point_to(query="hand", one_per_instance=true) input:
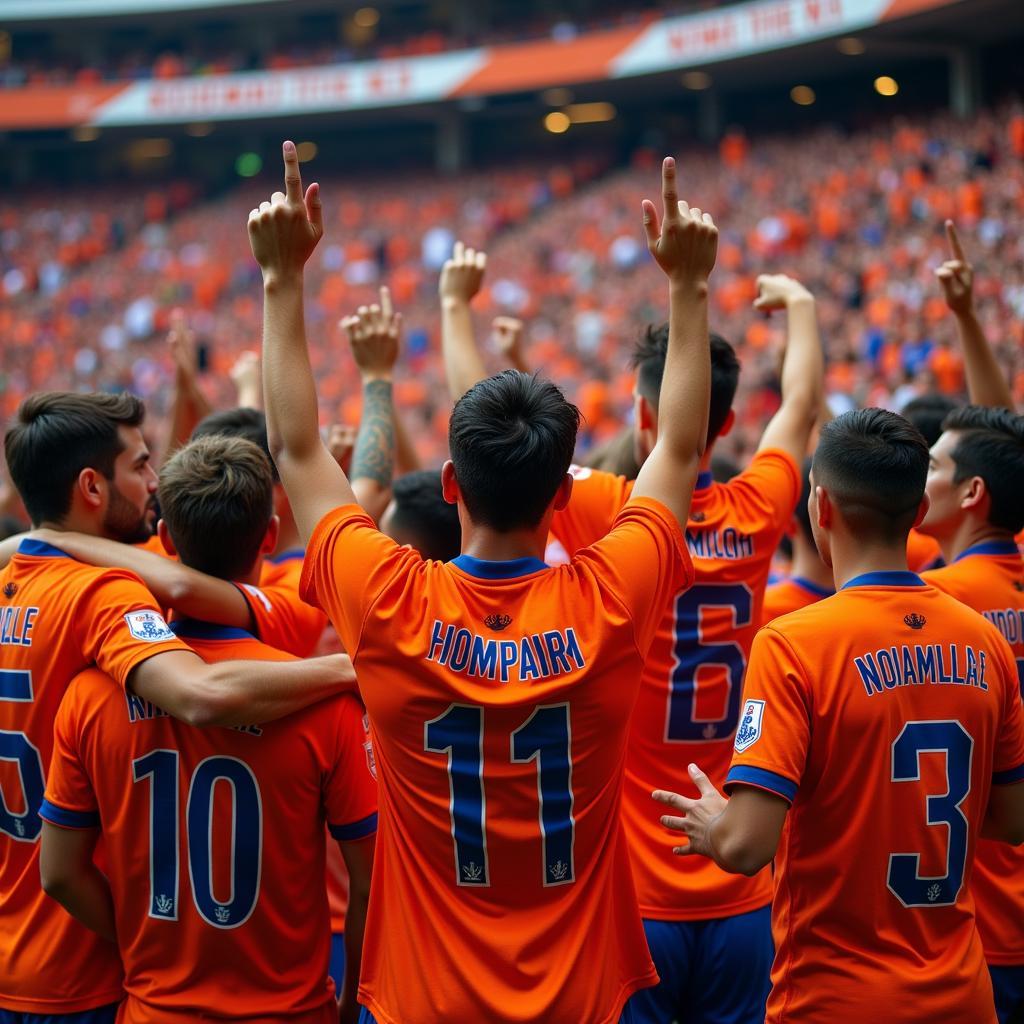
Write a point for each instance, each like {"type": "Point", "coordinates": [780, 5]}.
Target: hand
{"type": "Point", "coordinates": [777, 291]}
{"type": "Point", "coordinates": [341, 440]}
{"type": "Point", "coordinates": [508, 334]}
{"type": "Point", "coordinates": [374, 333]}
{"type": "Point", "coordinates": [181, 341]}
{"type": "Point", "coordinates": [686, 242]}
{"type": "Point", "coordinates": [245, 375]}
{"type": "Point", "coordinates": [284, 231]}
{"type": "Point", "coordinates": [698, 815]}
{"type": "Point", "coordinates": [463, 274]}
{"type": "Point", "coordinates": [956, 276]}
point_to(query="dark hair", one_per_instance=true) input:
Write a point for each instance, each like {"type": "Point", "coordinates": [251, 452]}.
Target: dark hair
{"type": "Point", "coordinates": [421, 512]}
{"type": "Point", "coordinates": [216, 495]}
{"type": "Point", "coordinates": [927, 414]}
{"type": "Point", "coordinates": [873, 464]}
{"type": "Point", "coordinates": [649, 362]}
{"type": "Point", "coordinates": [803, 515]}
{"type": "Point", "coordinates": [250, 424]}
{"type": "Point", "coordinates": [991, 445]}
{"type": "Point", "coordinates": [57, 435]}
{"type": "Point", "coordinates": [511, 439]}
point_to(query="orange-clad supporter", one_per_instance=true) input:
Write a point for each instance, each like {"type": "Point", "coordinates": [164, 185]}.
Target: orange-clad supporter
{"type": "Point", "coordinates": [286, 778]}
{"type": "Point", "coordinates": [888, 714]}
{"type": "Point", "coordinates": [60, 617]}
{"type": "Point", "coordinates": [975, 509]}
{"type": "Point", "coordinates": [490, 770]}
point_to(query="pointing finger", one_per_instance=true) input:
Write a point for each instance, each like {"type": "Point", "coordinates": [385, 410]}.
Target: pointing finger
{"type": "Point", "coordinates": [669, 196]}
{"type": "Point", "coordinates": [386, 307]}
{"type": "Point", "coordinates": [292, 177]}
{"type": "Point", "coordinates": [954, 242]}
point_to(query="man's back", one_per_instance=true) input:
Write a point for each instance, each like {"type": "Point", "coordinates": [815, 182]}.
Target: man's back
{"type": "Point", "coordinates": [499, 696]}
{"type": "Point", "coordinates": [884, 715]}
{"type": "Point", "coordinates": [57, 616]}
{"type": "Point", "coordinates": [215, 841]}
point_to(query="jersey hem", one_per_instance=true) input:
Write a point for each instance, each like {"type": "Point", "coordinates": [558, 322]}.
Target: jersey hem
{"type": "Point", "coordinates": [61, 1006]}
{"type": "Point", "coordinates": [704, 913]}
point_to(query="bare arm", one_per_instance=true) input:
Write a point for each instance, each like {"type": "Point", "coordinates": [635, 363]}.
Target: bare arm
{"type": "Point", "coordinates": [684, 248]}
{"type": "Point", "coordinates": [508, 333]}
{"type": "Point", "coordinates": [461, 278]}
{"type": "Point", "coordinates": [245, 375]}
{"type": "Point", "coordinates": [740, 835]}
{"type": "Point", "coordinates": [986, 382]}
{"type": "Point", "coordinates": [1004, 817]}
{"type": "Point", "coordinates": [283, 233]}
{"type": "Point", "coordinates": [406, 458]}
{"type": "Point", "coordinates": [359, 861]}
{"type": "Point", "coordinates": [188, 405]}
{"type": "Point", "coordinates": [69, 876]}
{"type": "Point", "coordinates": [803, 366]}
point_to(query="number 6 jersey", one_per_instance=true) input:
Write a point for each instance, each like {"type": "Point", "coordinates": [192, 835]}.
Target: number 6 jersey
{"type": "Point", "coordinates": [884, 715]}
{"type": "Point", "coordinates": [499, 696]}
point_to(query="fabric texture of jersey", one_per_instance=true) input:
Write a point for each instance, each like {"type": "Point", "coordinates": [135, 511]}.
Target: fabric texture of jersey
{"type": "Point", "coordinates": [790, 594]}
{"type": "Point", "coordinates": [883, 715]}
{"type": "Point", "coordinates": [215, 841]}
{"type": "Point", "coordinates": [57, 616]}
{"type": "Point", "coordinates": [990, 579]}
{"type": "Point", "coordinates": [499, 696]}
{"type": "Point", "coordinates": [692, 679]}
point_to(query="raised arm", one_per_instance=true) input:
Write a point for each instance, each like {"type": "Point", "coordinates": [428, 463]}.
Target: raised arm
{"type": "Point", "coordinates": [508, 334]}
{"type": "Point", "coordinates": [245, 375]}
{"type": "Point", "coordinates": [374, 334]}
{"type": "Point", "coordinates": [803, 366]}
{"type": "Point", "coordinates": [283, 234]}
{"type": "Point", "coordinates": [188, 404]}
{"type": "Point", "coordinates": [461, 278]}
{"type": "Point", "coordinates": [986, 382]}
{"type": "Point", "coordinates": [684, 246]}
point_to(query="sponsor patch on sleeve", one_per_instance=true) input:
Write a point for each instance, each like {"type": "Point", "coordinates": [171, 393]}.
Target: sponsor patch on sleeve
{"type": "Point", "coordinates": [148, 626]}
{"type": "Point", "coordinates": [749, 731]}
{"type": "Point", "coordinates": [260, 596]}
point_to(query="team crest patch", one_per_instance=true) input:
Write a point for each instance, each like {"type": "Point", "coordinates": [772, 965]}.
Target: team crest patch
{"type": "Point", "coordinates": [148, 626]}
{"type": "Point", "coordinates": [749, 731]}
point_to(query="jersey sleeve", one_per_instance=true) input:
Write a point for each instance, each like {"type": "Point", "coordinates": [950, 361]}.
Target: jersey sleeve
{"type": "Point", "coordinates": [643, 561]}
{"type": "Point", "coordinates": [596, 500]}
{"type": "Point", "coordinates": [119, 626]}
{"type": "Point", "coordinates": [70, 800]}
{"type": "Point", "coordinates": [1008, 764]}
{"type": "Point", "coordinates": [771, 744]}
{"type": "Point", "coordinates": [350, 788]}
{"type": "Point", "coordinates": [348, 563]}
{"type": "Point", "coordinates": [283, 620]}
{"type": "Point", "coordinates": [769, 488]}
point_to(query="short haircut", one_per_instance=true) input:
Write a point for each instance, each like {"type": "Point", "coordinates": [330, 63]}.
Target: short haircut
{"type": "Point", "coordinates": [873, 464]}
{"type": "Point", "coordinates": [649, 362]}
{"type": "Point", "coordinates": [927, 413]}
{"type": "Point", "coordinates": [241, 422]}
{"type": "Point", "coordinates": [422, 513]}
{"type": "Point", "coordinates": [803, 515]}
{"type": "Point", "coordinates": [56, 436]}
{"type": "Point", "coordinates": [511, 439]}
{"type": "Point", "coordinates": [216, 495]}
{"type": "Point", "coordinates": [991, 445]}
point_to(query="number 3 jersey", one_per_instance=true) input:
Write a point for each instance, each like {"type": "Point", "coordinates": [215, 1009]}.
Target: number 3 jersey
{"type": "Point", "coordinates": [215, 841]}
{"type": "Point", "coordinates": [692, 678]}
{"type": "Point", "coordinates": [884, 715]}
{"type": "Point", "coordinates": [499, 696]}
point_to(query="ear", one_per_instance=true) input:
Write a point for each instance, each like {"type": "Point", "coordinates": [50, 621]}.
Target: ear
{"type": "Point", "coordinates": [564, 493]}
{"type": "Point", "coordinates": [730, 420]}
{"type": "Point", "coordinates": [449, 485]}
{"type": "Point", "coordinates": [270, 537]}
{"type": "Point", "coordinates": [922, 509]}
{"type": "Point", "coordinates": [974, 495]}
{"type": "Point", "coordinates": [826, 510]}
{"type": "Point", "coordinates": [92, 488]}
{"type": "Point", "coordinates": [165, 538]}
{"type": "Point", "coordinates": [646, 417]}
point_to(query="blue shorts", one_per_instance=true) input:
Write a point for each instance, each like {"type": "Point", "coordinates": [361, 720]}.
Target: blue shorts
{"type": "Point", "coordinates": [712, 972]}
{"type": "Point", "coordinates": [336, 969]}
{"type": "Point", "coordinates": [1008, 988]}
{"type": "Point", "coordinates": [102, 1015]}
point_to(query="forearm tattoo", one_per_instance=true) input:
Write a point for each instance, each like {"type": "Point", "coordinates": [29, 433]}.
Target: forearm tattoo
{"type": "Point", "coordinates": [374, 455]}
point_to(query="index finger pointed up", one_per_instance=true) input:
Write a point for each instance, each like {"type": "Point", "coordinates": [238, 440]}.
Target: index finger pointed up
{"type": "Point", "coordinates": [955, 248]}
{"type": "Point", "coordinates": [386, 308]}
{"type": "Point", "coordinates": [292, 177]}
{"type": "Point", "coordinates": [669, 195]}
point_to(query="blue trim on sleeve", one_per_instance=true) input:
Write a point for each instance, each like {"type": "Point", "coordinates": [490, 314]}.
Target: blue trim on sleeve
{"type": "Point", "coordinates": [195, 629]}
{"type": "Point", "coordinates": [68, 819]}
{"type": "Point", "coordinates": [509, 570]}
{"type": "Point", "coordinates": [291, 555]}
{"type": "Point", "coordinates": [704, 481]}
{"type": "Point", "coordinates": [40, 549]}
{"type": "Point", "coordinates": [1007, 778]}
{"type": "Point", "coordinates": [990, 547]}
{"type": "Point", "coordinates": [885, 579]}
{"type": "Point", "coordinates": [811, 587]}
{"type": "Point", "coordinates": [762, 779]}
{"type": "Point", "coordinates": [355, 830]}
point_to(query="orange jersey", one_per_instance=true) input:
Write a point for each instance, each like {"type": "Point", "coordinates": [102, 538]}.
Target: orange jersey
{"type": "Point", "coordinates": [883, 715]}
{"type": "Point", "coordinates": [990, 579]}
{"type": "Point", "coordinates": [923, 552]}
{"type": "Point", "coordinates": [692, 679]}
{"type": "Point", "coordinates": [790, 594]}
{"type": "Point", "coordinates": [214, 839]}
{"type": "Point", "coordinates": [499, 696]}
{"type": "Point", "coordinates": [57, 616]}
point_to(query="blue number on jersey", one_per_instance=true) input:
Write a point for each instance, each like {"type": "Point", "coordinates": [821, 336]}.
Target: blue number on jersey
{"type": "Point", "coordinates": [162, 766]}
{"type": "Point", "coordinates": [545, 736]}
{"type": "Point", "coordinates": [949, 738]}
{"type": "Point", "coordinates": [692, 654]}
{"type": "Point", "coordinates": [16, 746]}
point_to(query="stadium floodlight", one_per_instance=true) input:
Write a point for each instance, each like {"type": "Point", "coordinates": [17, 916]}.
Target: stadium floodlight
{"type": "Point", "coordinates": [248, 165]}
{"type": "Point", "coordinates": [366, 17]}
{"type": "Point", "coordinates": [557, 122]}
{"type": "Point", "coordinates": [85, 133]}
{"type": "Point", "coordinates": [557, 97]}
{"type": "Point", "coordinates": [697, 81]}
{"type": "Point", "coordinates": [306, 151]}
{"type": "Point", "coordinates": [851, 46]}
{"type": "Point", "coordinates": [886, 86]}
{"type": "Point", "coordinates": [802, 95]}
{"type": "Point", "coordinates": [590, 113]}
{"type": "Point", "coordinates": [199, 131]}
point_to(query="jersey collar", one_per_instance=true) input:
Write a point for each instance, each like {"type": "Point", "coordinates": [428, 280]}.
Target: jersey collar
{"type": "Point", "coordinates": [40, 549]}
{"type": "Point", "coordinates": [291, 555]}
{"type": "Point", "coordinates": [990, 547]}
{"type": "Point", "coordinates": [196, 629]}
{"type": "Point", "coordinates": [812, 587]}
{"type": "Point", "coordinates": [885, 579]}
{"type": "Point", "coordinates": [704, 480]}
{"type": "Point", "coordinates": [509, 570]}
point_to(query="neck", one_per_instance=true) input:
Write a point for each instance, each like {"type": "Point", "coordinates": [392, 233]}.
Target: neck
{"type": "Point", "coordinates": [491, 546]}
{"type": "Point", "coordinates": [74, 523]}
{"type": "Point", "coordinates": [252, 577]}
{"type": "Point", "coordinates": [807, 564]}
{"type": "Point", "coordinates": [966, 535]}
{"type": "Point", "coordinates": [852, 557]}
